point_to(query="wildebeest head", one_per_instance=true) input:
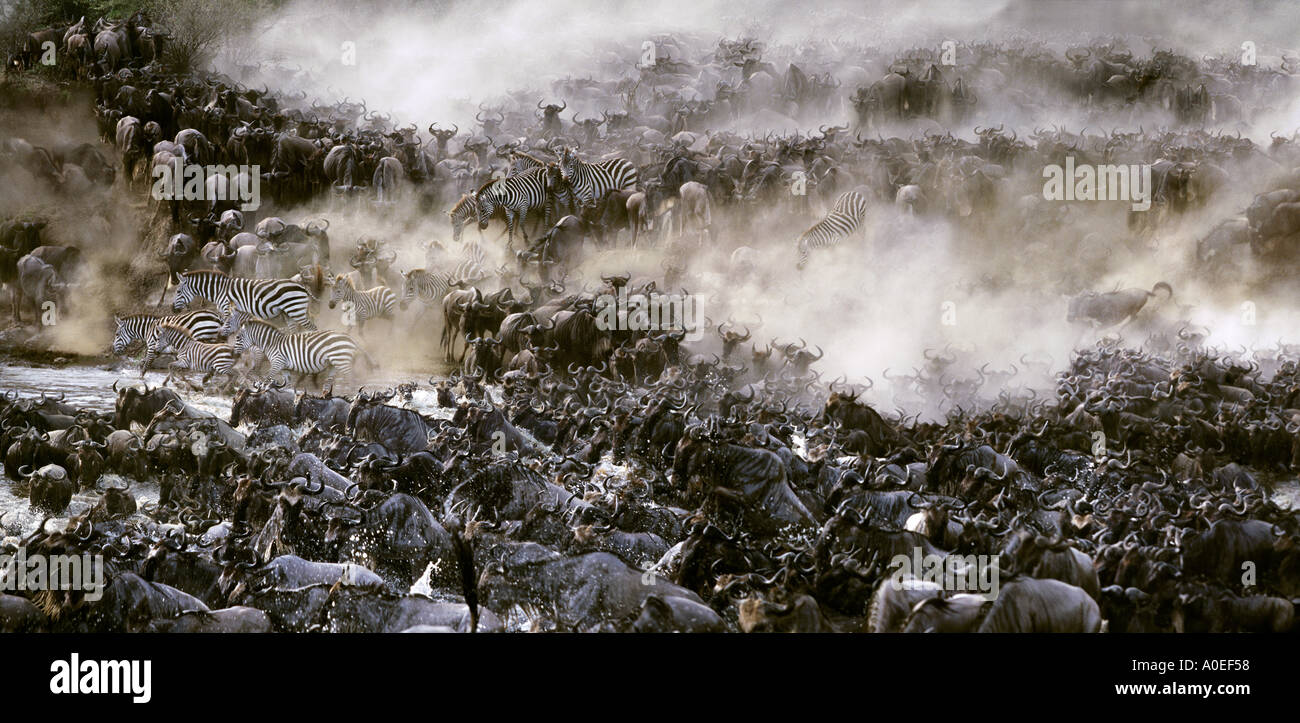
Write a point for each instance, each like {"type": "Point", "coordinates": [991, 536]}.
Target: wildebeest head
{"type": "Point", "coordinates": [136, 405]}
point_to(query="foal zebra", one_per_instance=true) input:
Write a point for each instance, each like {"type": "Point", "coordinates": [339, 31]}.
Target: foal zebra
{"type": "Point", "coordinates": [517, 195]}
{"type": "Point", "coordinates": [311, 352]}
{"type": "Point", "coordinates": [190, 354]}
{"type": "Point", "coordinates": [844, 219]}
{"type": "Point", "coordinates": [266, 298]}
{"type": "Point", "coordinates": [591, 181]}
{"type": "Point", "coordinates": [203, 325]}
{"type": "Point", "coordinates": [366, 305]}
{"type": "Point", "coordinates": [464, 210]}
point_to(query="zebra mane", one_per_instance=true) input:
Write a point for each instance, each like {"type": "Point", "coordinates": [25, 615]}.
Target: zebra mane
{"type": "Point", "coordinates": [465, 199]}
{"type": "Point", "coordinates": [252, 323]}
{"type": "Point", "coordinates": [530, 157]}
{"type": "Point", "coordinates": [484, 187]}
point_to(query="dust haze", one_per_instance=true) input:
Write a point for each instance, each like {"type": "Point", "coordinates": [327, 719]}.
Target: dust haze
{"type": "Point", "coordinates": [914, 284]}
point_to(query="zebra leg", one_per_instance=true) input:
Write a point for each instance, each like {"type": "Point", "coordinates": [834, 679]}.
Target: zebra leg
{"type": "Point", "coordinates": [277, 368]}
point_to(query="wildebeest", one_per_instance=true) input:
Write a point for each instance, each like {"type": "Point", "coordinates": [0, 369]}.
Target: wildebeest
{"type": "Point", "coordinates": [1107, 309]}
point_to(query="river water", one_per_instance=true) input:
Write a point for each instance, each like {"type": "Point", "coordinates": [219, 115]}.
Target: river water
{"type": "Point", "coordinates": [88, 387]}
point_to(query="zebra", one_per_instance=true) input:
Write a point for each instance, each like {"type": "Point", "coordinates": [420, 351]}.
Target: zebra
{"type": "Point", "coordinates": [520, 162]}
{"type": "Point", "coordinates": [310, 352]}
{"type": "Point", "coordinates": [517, 195]}
{"type": "Point", "coordinates": [203, 325]}
{"type": "Point", "coordinates": [591, 181]}
{"type": "Point", "coordinates": [844, 218]}
{"type": "Point", "coordinates": [190, 354]}
{"type": "Point", "coordinates": [266, 298]}
{"type": "Point", "coordinates": [366, 305]}
{"type": "Point", "coordinates": [429, 286]}
{"type": "Point", "coordinates": [464, 210]}
{"type": "Point", "coordinates": [473, 267]}
{"type": "Point", "coordinates": [559, 196]}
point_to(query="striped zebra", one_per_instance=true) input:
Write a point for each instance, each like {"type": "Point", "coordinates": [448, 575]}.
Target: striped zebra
{"type": "Point", "coordinates": [472, 267]}
{"type": "Point", "coordinates": [461, 213]}
{"type": "Point", "coordinates": [429, 286]}
{"type": "Point", "coordinates": [190, 354]}
{"type": "Point", "coordinates": [310, 352]}
{"type": "Point", "coordinates": [203, 325]}
{"type": "Point", "coordinates": [591, 181]}
{"type": "Point", "coordinates": [517, 195]}
{"type": "Point", "coordinates": [266, 298]}
{"type": "Point", "coordinates": [366, 305]}
{"type": "Point", "coordinates": [559, 196]}
{"type": "Point", "coordinates": [520, 161]}
{"type": "Point", "coordinates": [843, 220]}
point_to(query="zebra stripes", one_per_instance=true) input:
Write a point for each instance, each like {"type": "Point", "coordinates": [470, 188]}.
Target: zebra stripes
{"type": "Point", "coordinates": [520, 161]}
{"type": "Point", "coordinates": [310, 352]}
{"type": "Point", "coordinates": [559, 196]}
{"type": "Point", "coordinates": [844, 218]}
{"type": "Point", "coordinates": [517, 195]}
{"type": "Point", "coordinates": [202, 325]}
{"type": "Point", "coordinates": [460, 214]}
{"type": "Point", "coordinates": [366, 305]}
{"type": "Point", "coordinates": [190, 354]}
{"type": "Point", "coordinates": [473, 267]}
{"type": "Point", "coordinates": [265, 298]}
{"type": "Point", "coordinates": [591, 181]}
{"type": "Point", "coordinates": [429, 286]}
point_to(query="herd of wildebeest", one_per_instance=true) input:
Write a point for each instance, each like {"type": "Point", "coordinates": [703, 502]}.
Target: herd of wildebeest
{"type": "Point", "coordinates": [574, 477]}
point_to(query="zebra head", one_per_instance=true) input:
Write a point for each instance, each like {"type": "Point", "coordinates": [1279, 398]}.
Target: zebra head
{"type": "Point", "coordinates": [458, 213]}
{"type": "Point", "coordinates": [457, 225]}
{"type": "Point", "coordinates": [242, 342]}
{"type": "Point", "coordinates": [186, 292]}
{"type": "Point", "coordinates": [339, 291]}
{"type": "Point", "coordinates": [568, 160]}
{"type": "Point", "coordinates": [410, 281]}
{"type": "Point", "coordinates": [486, 200]}
{"type": "Point", "coordinates": [123, 337]}
{"type": "Point", "coordinates": [232, 319]}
